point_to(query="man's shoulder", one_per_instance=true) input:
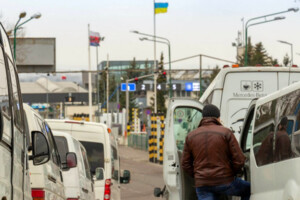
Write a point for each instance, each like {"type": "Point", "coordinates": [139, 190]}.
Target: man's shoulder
{"type": "Point", "coordinates": [212, 129]}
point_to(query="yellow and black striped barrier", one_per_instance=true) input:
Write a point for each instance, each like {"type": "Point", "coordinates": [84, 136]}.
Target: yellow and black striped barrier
{"type": "Point", "coordinates": [151, 146]}
{"type": "Point", "coordinates": [161, 139]}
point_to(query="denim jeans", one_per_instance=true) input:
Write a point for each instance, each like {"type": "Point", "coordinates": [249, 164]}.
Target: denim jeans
{"type": "Point", "coordinates": [238, 187]}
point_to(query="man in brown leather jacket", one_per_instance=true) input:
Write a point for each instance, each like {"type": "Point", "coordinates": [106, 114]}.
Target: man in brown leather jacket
{"type": "Point", "coordinates": [213, 157]}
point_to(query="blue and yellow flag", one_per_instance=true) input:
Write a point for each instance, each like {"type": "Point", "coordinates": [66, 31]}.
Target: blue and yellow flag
{"type": "Point", "coordinates": [161, 7]}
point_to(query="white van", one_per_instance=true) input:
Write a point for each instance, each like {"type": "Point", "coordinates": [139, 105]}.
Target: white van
{"type": "Point", "coordinates": [46, 180]}
{"type": "Point", "coordinates": [232, 91]}
{"type": "Point", "coordinates": [102, 155]}
{"type": "Point", "coordinates": [234, 88]}
{"type": "Point", "coordinates": [273, 167]}
{"type": "Point", "coordinates": [14, 171]}
{"type": "Point", "coordinates": [77, 180]}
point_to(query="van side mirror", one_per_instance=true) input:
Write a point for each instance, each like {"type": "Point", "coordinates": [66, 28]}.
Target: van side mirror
{"type": "Point", "coordinates": [126, 177]}
{"type": "Point", "coordinates": [157, 192]}
{"type": "Point", "coordinates": [1, 124]}
{"type": "Point", "coordinates": [99, 173]}
{"type": "Point", "coordinates": [40, 148]}
{"type": "Point", "coordinates": [71, 160]}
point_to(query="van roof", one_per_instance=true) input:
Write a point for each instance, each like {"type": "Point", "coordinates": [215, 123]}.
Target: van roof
{"type": "Point", "coordinates": [279, 93]}
{"type": "Point", "coordinates": [217, 83]}
{"type": "Point", "coordinates": [60, 133]}
{"type": "Point", "coordinates": [76, 122]}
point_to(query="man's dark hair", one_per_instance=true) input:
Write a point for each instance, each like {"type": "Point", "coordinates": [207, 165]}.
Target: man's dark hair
{"type": "Point", "coordinates": [283, 123]}
{"type": "Point", "coordinates": [211, 110]}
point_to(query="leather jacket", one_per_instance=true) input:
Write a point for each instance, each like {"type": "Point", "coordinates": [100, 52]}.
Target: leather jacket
{"type": "Point", "coordinates": [212, 154]}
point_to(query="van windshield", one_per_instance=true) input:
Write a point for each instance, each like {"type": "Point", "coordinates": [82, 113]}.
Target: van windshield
{"type": "Point", "coordinates": [95, 154]}
{"type": "Point", "coordinates": [62, 146]}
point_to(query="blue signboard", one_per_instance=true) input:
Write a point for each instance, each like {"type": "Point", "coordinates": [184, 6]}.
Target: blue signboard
{"type": "Point", "coordinates": [189, 86]}
{"type": "Point", "coordinates": [131, 87]}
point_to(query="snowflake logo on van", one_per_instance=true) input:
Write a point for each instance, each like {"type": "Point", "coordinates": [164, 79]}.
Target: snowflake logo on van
{"type": "Point", "coordinates": [257, 86]}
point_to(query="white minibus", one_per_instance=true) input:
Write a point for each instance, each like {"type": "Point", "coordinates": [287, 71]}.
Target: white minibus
{"type": "Point", "coordinates": [231, 91]}
{"type": "Point", "coordinates": [46, 180]}
{"type": "Point", "coordinates": [270, 140]}
{"type": "Point", "coordinates": [14, 139]}
{"type": "Point", "coordinates": [102, 155]}
{"type": "Point", "coordinates": [77, 180]}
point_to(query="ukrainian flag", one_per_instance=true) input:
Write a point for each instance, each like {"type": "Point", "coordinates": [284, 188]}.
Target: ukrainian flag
{"type": "Point", "coordinates": [161, 7]}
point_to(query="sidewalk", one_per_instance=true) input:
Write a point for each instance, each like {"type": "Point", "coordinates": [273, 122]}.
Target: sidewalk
{"type": "Point", "coordinates": [145, 176]}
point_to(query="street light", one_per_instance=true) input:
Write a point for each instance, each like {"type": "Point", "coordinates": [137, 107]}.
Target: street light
{"type": "Point", "coordinates": [155, 89]}
{"type": "Point", "coordinates": [261, 17]}
{"type": "Point", "coordinates": [17, 26]}
{"type": "Point", "coordinates": [169, 48]}
{"type": "Point", "coordinates": [246, 33]}
{"type": "Point", "coordinates": [284, 42]}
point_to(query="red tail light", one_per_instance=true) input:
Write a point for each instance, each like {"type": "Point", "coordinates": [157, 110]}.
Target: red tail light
{"type": "Point", "coordinates": [276, 65]}
{"type": "Point", "coordinates": [294, 65]}
{"type": "Point", "coordinates": [226, 66]}
{"type": "Point", "coordinates": [258, 65]}
{"type": "Point", "coordinates": [107, 189]}
{"type": "Point", "coordinates": [38, 194]}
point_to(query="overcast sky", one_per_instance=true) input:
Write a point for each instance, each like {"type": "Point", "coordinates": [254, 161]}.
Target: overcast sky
{"type": "Point", "coordinates": [193, 27]}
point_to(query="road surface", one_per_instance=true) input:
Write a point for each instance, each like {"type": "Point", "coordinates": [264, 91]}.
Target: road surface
{"type": "Point", "coordinates": [145, 176]}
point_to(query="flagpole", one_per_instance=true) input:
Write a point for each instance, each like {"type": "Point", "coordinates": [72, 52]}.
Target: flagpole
{"type": "Point", "coordinates": [154, 65]}
{"type": "Point", "coordinates": [90, 77]}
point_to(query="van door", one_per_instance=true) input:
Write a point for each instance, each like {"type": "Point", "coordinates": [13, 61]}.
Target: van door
{"type": "Point", "coordinates": [261, 152]}
{"type": "Point", "coordinates": [6, 148]}
{"type": "Point", "coordinates": [88, 185]}
{"type": "Point", "coordinates": [55, 173]}
{"type": "Point", "coordinates": [115, 176]}
{"type": "Point", "coordinates": [183, 116]}
{"type": "Point", "coordinates": [246, 138]}
{"type": "Point", "coordinates": [18, 134]}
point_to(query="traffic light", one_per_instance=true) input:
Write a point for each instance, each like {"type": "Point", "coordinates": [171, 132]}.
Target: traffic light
{"type": "Point", "coordinates": [164, 74]}
{"type": "Point", "coordinates": [136, 79]}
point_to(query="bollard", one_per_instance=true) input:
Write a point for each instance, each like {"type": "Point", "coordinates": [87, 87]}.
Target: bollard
{"type": "Point", "coordinates": [151, 139]}
{"type": "Point", "coordinates": [161, 139]}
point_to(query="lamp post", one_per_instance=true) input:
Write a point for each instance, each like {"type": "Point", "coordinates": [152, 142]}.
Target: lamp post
{"type": "Point", "coordinates": [155, 77]}
{"type": "Point", "coordinates": [261, 17]}
{"type": "Point", "coordinates": [169, 48]}
{"type": "Point", "coordinates": [246, 33]}
{"type": "Point", "coordinates": [284, 42]}
{"type": "Point", "coordinates": [17, 26]}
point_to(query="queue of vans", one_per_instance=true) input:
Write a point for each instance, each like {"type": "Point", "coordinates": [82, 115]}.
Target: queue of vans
{"type": "Point", "coordinates": [233, 91]}
{"type": "Point", "coordinates": [77, 161]}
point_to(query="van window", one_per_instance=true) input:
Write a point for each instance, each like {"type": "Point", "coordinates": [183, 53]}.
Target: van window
{"type": "Point", "coordinates": [95, 154]}
{"type": "Point", "coordinates": [185, 120]}
{"type": "Point", "coordinates": [6, 43]}
{"type": "Point", "coordinates": [62, 146]}
{"type": "Point", "coordinates": [277, 123]}
{"type": "Point", "coordinates": [4, 98]}
{"type": "Point", "coordinates": [209, 99]}
{"type": "Point", "coordinates": [53, 148]}
{"type": "Point", "coordinates": [86, 163]}
{"type": "Point", "coordinates": [264, 133]}
{"type": "Point", "coordinates": [16, 98]}
{"type": "Point", "coordinates": [114, 163]}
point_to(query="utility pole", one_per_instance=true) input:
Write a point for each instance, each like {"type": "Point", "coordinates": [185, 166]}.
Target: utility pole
{"type": "Point", "coordinates": [107, 85]}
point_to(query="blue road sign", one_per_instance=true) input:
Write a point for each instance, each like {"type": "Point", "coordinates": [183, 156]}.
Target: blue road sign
{"type": "Point", "coordinates": [189, 86]}
{"type": "Point", "coordinates": [131, 87]}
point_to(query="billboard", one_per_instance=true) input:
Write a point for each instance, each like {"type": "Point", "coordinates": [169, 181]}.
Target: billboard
{"type": "Point", "coordinates": [35, 54]}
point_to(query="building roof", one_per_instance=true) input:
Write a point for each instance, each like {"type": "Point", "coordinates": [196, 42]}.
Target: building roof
{"type": "Point", "coordinates": [44, 85]}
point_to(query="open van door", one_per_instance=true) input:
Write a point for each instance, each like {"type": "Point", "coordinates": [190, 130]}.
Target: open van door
{"type": "Point", "coordinates": [246, 138]}
{"type": "Point", "coordinates": [183, 116]}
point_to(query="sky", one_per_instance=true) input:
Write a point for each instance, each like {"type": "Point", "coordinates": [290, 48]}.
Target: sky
{"type": "Point", "coordinates": [192, 26]}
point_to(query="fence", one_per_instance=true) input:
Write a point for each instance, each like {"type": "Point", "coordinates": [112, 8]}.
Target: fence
{"type": "Point", "coordinates": [138, 141]}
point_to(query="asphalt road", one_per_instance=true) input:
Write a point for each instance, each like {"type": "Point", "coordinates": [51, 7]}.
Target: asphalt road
{"type": "Point", "coordinates": [145, 176]}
